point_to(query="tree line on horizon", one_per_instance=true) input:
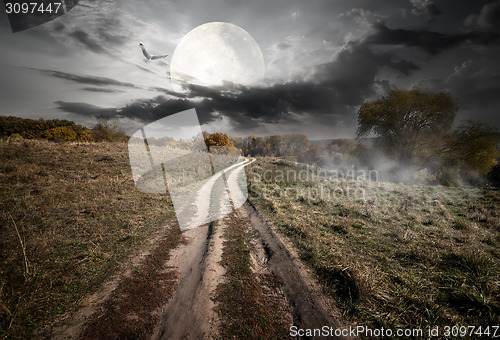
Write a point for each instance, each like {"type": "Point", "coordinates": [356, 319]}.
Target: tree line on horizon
{"type": "Point", "coordinates": [60, 130]}
{"type": "Point", "coordinates": [413, 141]}
{"type": "Point", "coordinates": [412, 136]}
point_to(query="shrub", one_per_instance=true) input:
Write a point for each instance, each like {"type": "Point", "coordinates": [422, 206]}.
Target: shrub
{"type": "Point", "coordinates": [60, 133]}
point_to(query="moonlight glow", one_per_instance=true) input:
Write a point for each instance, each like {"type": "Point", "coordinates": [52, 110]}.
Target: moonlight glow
{"type": "Point", "coordinates": [214, 53]}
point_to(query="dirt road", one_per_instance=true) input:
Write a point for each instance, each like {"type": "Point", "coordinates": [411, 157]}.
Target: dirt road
{"type": "Point", "coordinates": [190, 313]}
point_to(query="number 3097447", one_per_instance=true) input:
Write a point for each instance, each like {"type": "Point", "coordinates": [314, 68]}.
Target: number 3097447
{"type": "Point", "coordinates": [33, 7]}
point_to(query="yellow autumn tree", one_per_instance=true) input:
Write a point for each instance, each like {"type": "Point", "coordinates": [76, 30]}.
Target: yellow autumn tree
{"type": "Point", "coordinates": [60, 133]}
{"type": "Point", "coordinates": [220, 143]}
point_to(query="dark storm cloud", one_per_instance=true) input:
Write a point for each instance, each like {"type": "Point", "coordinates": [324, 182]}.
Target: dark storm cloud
{"type": "Point", "coordinates": [350, 77]}
{"type": "Point", "coordinates": [89, 80]}
{"type": "Point", "coordinates": [113, 31]}
{"type": "Point", "coordinates": [267, 105]}
{"type": "Point", "coordinates": [98, 89]}
{"type": "Point", "coordinates": [247, 107]}
{"type": "Point", "coordinates": [58, 26]}
{"type": "Point", "coordinates": [283, 45]}
{"type": "Point", "coordinates": [167, 91]}
{"type": "Point", "coordinates": [150, 110]}
{"type": "Point", "coordinates": [85, 109]}
{"type": "Point", "coordinates": [426, 8]}
{"type": "Point", "coordinates": [84, 39]}
{"type": "Point", "coordinates": [324, 57]}
{"type": "Point", "coordinates": [329, 92]}
{"type": "Point", "coordinates": [97, 26]}
{"type": "Point", "coordinates": [487, 20]}
{"type": "Point", "coordinates": [429, 41]}
{"type": "Point", "coordinates": [471, 84]}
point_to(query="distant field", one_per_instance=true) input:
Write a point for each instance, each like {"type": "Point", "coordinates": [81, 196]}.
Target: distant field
{"type": "Point", "coordinates": [397, 256]}
{"type": "Point", "coordinates": [75, 211]}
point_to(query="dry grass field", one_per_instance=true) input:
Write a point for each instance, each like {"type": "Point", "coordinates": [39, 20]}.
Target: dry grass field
{"type": "Point", "coordinates": [69, 217]}
{"type": "Point", "coordinates": [398, 256]}
{"type": "Point", "coordinates": [388, 255]}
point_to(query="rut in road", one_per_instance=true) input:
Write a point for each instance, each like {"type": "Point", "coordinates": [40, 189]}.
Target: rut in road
{"type": "Point", "coordinates": [309, 309]}
{"type": "Point", "coordinates": [190, 313]}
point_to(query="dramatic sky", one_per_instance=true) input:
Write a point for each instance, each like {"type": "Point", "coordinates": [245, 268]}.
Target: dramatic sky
{"type": "Point", "coordinates": [323, 59]}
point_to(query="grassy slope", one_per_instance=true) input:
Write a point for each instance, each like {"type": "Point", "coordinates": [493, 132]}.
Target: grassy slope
{"type": "Point", "coordinates": [406, 256]}
{"type": "Point", "coordinates": [78, 215]}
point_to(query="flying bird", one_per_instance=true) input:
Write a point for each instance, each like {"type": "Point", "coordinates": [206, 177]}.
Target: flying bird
{"type": "Point", "coordinates": [149, 56]}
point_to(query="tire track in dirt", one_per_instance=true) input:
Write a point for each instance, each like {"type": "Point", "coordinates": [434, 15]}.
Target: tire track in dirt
{"type": "Point", "coordinates": [309, 309]}
{"type": "Point", "coordinates": [201, 209]}
{"type": "Point", "coordinates": [190, 312]}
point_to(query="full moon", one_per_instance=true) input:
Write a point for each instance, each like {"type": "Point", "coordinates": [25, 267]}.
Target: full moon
{"type": "Point", "coordinates": [214, 53]}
